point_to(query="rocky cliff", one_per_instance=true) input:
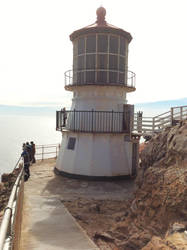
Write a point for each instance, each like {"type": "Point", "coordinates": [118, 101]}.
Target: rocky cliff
{"type": "Point", "coordinates": [158, 214]}
{"type": "Point", "coordinates": [6, 185]}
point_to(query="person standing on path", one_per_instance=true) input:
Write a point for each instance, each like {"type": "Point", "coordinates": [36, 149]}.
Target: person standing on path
{"type": "Point", "coordinates": [26, 161]}
{"type": "Point", "coordinates": [29, 150]}
{"type": "Point", "coordinates": [33, 151]}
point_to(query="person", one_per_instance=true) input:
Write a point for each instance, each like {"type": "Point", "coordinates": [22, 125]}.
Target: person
{"type": "Point", "coordinates": [64, 113]}
{"type": "Point", "coordinates": [29, 150]}
{"type": "Point", "coordinates": [33, 151]}
{"type": "Point", "coordinates": [26, 162]}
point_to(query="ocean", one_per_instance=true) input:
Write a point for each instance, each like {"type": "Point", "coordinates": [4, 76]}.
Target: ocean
{"type": "Point", "coordinates": [17, 129]}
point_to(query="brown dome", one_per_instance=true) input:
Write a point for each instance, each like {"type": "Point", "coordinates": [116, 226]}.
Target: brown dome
{"type": "Point", "coordinates": [100, 26]}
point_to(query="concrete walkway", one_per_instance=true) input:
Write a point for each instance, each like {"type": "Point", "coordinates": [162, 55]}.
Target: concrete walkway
{"type": "Point", "coordinates": [46, 223]}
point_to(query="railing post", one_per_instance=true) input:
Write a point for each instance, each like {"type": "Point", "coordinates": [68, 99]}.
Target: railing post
{"type": "Point", "coordinates": [74, 119]}
{"type": "Point", "coordinates": [112, 121]}
{"type": "Point", "coordinates": [181, 113]}
{"type": "Point", "coordinates": [153, 125]}
{"type": "Point", "coordinates": [171, 116]}
{"type": "Point", "coordinates": [60, 118]}
{"type": "Point", "coordinates": [139, 121]}
{"type": "Point", "coordinates": [56, 120]}
{"type": "Point", "coordinates": [42, 152]}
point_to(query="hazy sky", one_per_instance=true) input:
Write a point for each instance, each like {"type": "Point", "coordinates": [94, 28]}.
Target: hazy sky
{"type": "Point", "coordinates": [35, 49]}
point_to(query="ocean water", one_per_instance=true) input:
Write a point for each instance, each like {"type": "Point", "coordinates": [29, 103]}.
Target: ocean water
{"type": "Point", "coordinates": [16, 129]}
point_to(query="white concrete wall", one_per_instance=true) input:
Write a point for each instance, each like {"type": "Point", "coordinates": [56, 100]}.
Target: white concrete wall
{"type": "Point", "coordinates": [101, 98]}
{"type": "Point", "coordinates": [95, 155]}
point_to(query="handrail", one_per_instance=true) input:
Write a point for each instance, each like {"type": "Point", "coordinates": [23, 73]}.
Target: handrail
{"type": "Point", "coordinates": [45, 152]}
{"type": "Point", "coordinates": [159, 122]}
{"type": "Point", "coordinates": [7, 225]}
{"type": "Point", "coordinates": [6, 229]}
{"type": "Point", "coordinates": [17, 163]}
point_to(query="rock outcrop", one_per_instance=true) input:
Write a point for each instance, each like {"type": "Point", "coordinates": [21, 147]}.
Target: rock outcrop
{"type": "Point", "coordinates": [161, 194]}
{"type": "Point", "coordinates": [7, 182]}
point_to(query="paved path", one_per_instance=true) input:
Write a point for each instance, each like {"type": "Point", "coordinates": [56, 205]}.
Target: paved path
{"type": "Point", "coordinates": [46, 224]}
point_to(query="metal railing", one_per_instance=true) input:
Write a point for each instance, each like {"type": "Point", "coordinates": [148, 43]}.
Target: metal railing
{"type": "Point", "coordinates": [93, 121]}
{"type": "Point", "coordinates": [11, 222]}
{"type": "Point", "coordinates": [89, 77]}
{"type": "Point", "coordinates": [150, 125]}
{"type": "Point", "coordinates": [49, 150]}
{"type": "Point", "coordinates": [10, 226]}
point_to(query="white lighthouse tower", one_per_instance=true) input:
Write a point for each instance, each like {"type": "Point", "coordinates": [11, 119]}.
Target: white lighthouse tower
{"type": "Point", "coordinates": [97, 138]}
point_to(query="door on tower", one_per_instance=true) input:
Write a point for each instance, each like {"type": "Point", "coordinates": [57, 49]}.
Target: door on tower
{"type": "Point", "coordinates": [128, 118]}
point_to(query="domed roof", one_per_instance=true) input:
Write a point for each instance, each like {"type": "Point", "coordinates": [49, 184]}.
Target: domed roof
{"type": "Point", "coordinates": [100, 26]}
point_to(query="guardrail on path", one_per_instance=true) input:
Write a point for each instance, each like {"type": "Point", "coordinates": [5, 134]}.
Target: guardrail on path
{"type": "Point", "coordinates": [150, 125]}
{"type": "Point", "coordinates": [11, 223]}
{"type": "Point", "coordinates": [50, 150]}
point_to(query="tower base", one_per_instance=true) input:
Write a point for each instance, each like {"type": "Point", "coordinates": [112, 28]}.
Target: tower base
{"type": "Point", "coordinates": [97, 156]}
{"type": "Point", "coordinates": [93, 178]}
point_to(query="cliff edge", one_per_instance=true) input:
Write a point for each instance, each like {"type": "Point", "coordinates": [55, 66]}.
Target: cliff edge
{"type": "Point", "coordinates": [158, 213]}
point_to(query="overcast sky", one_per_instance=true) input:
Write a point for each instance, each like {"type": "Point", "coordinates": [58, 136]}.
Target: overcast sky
{"type": "Point", "coordinates": [35, 49]}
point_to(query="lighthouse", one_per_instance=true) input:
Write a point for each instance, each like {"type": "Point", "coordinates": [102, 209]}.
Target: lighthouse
{"type": "Point", "coordinates": [97, 132]}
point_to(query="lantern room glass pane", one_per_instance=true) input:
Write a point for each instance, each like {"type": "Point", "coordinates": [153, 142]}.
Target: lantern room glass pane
{"type": "Point", "coordinates": [113, 62]}
{"type": "Point", "coordinates": [75, 63]}
{"type": "Point", "coordinates": [112, 77]}
{"type": "Point", "coordinates": [114, 44]}
{"type": "Point", "coordinates": [122, 46]}
{"type": "Point", "coordinates": [102, 44]}
{"type": "Point", "coordinates": [75, 48]}
{"type": "Point", "coordinates": [90, 61]}
{"type": "Point", "coordinates": [90, 77]}
{"type": "Point", "coordinates": [81, 62]}
{"type": "Point", "coordinates": [91, 44]}
{"type": "Point", "coordinates": [81, 45]}
{"type": "Point", "coordinates": [102, 77]}
{"type": "Point", "coordinates": [122, 63]}
{"type": "Point", "coordinates": [121, 78]}
{"type": "Point", "coordinates": [102, 61]}
{"type": "Point", "coordinates": [80, 77]}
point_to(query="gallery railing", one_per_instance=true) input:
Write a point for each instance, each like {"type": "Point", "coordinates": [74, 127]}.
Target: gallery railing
{"type": "Point", "coordinates": [93, 121]}
{"type": "Point", "coordinates": [99, 77]}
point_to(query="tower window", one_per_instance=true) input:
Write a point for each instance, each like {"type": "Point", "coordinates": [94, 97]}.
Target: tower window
{"type": "Point", "coordinates": [81, 62]}
{"type": "Point", "coordinates": [91, 44]}
{"type": "Point", "coordinates": [112, 77]}
{"type": "Point", "coordinates": [71, 143]}
{"type": "Point", "coordinates": [122, 46]}
{"type": "Point", "coordinates": [102, 43]}
{"type": "Point", "coordinates": [102, 61]}
{"type": "Point", "coordinates": [113, 44]}
{"type": "Point", "coordinates": [102, 76]}
{"type": "Point", "coordinates": [113, 62]}
{"type": "Point", "coordinates": [122, 63]}
{"type": "Point", "coordinates": [81, 45]}
{"type": "Point", "coordinates": [90, 61]}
